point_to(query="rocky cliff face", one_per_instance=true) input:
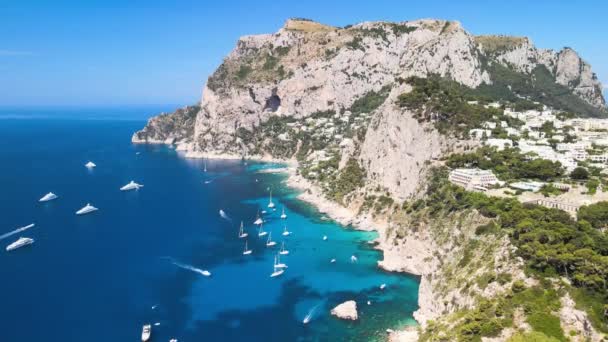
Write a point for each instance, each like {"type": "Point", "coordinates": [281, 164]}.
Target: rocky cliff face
{"type": "Point", "coordinates": [308, 68]}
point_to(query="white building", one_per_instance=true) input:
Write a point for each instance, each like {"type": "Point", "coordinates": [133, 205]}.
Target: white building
{"type": "Point", "coordinates": [499, 143]}
{"type": "Point", "coordinates": [478, 133]}
{"type": "Point", "coordinates": [473, 179]}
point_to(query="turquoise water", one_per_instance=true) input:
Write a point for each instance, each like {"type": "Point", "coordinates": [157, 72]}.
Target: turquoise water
{"type": "Point", "coordinates": [135, 261]}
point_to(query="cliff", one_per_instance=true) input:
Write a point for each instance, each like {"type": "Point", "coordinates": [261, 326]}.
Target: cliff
{"type": "Point", "coordinates": [337, 102]}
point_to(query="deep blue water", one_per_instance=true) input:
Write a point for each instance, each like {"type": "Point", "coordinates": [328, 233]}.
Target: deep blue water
{"type": "Point", "coordinates": [96, 277]}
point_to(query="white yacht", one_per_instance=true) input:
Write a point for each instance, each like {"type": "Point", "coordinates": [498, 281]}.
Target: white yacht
{"type": "Point", "coordinates": [242, 233]}
{"type": "Point", "coordinates": [173, 340]}
{"type": "Point", "coordinates": [270, 243]}
{"type": "Point", "coordinates": [23, 241]}
{"type": "Point", "coordinates": [270, 203]}
{"type": "Point", "coordinates": [353, 258]}
{"type": "Point", "coordinates": [131, 186]}
{"type": "Point", "coordinates": [206, 273]}
{"type": "Point", "coordinates": [283, 215]}
{"type": "Point", "coordinates": [275, 270]}
{"type": "Point", "coordinates": [324, 237]}
{"type": "Point", "coordinates": [283, 251]}
{"type": "Point", "coordinates": [48, 197]}
{"type": "Point", "coordinates": [382, 287]}
{"type": "Point", "coordinates": [146, 331]}
{"type": "Point", "coordinates": [332, 261]}
{"type": "Point", "coordinates": [86, 209]}
{"type": "Point", "coordinates": [90, 165]}
{"type": "Point", "coordinates": [285, 231]}
{"type": "Point", "coordinates": [247, 251]}
{"type": "Point", "coordinates": [262, 232]}
{"type": "Point", "coordinates": [205, 167]}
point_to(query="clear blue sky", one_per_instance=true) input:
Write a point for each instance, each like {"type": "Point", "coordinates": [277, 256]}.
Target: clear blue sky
{"type": "Point", "coordinates": [112, 52]}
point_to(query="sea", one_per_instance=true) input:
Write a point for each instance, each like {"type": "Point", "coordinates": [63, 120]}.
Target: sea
{"type": "Point", "coordinates": [140, 258]}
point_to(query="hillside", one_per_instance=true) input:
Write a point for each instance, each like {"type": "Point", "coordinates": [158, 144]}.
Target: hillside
{"type": "Point", "coordinates": [368, 113]}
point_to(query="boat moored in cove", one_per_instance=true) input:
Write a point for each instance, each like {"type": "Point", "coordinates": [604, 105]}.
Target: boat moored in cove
{"type": "Point", "coordinates": [22, 241]}
{"type": "Point", "coordinates": [86, 209]}
{"type": "Point", "coordinates": [48, 197]}
{"type": "Point", "coordinates": [90, 165]}
{"type": "Point", "coordinates": [131, 186]}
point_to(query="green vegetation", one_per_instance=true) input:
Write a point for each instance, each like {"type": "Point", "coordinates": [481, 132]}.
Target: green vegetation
{"type": "Point", "coordinates": [452, 107]}
{"type": "Point", "coordinates": [243, 72]}
{"type": "Point", "coordinates": [370, 101]}
{"type": "Point", "coordinates": [508, 164]}
{"type": "Point", "coordinates": [549, 240]}
{"type": "Point", "coordinates": [549, 189]}
{"type": "Point", "coordinates": [579, 173]}
{"type": "Point", "coordinates": [540, 86]}
{"type": "Point", "coordinates": [596, 214]}
{"type": "Point", "coordinates": [490, 317]}
{"type": "Point", "coordinates": [349, 179]}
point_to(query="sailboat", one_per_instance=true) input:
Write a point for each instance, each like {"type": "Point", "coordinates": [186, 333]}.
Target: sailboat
{"type": "Point", "coordinates": [262, 232]}
{"type": "Point", "coordinates": [270, 243]}
{"type": "Point", "coordinates": [247, 251]}
{"type": "Point", "coordinates": [242, 233]}
{"type": "Point", "coordinates": [270, 203]}
{"type": "Point", "coordinates": [205, 166]}
{"type": "Point", "coordinates": [258, 219]}
{"type": "Point", "coordinates": [283, 251]}
{"type": "Point", "coordinates": [275, 270]}
{"type": "Point", "coordinates": [279, 263]}
{"type": "Point", "coordinates": [283, 216]}
{"type": "Point", "coordinates": [285, 231]}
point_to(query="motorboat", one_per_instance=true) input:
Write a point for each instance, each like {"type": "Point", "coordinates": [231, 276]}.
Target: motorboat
{"type": "Point", "coordinates": [146, 331]}
{"type": "Point", "coordinates": [90, 165]}
{"type": "Point", "coordinates": [22, 241]}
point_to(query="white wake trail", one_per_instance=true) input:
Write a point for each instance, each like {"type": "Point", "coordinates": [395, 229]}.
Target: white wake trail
{"type": "Point", "coordinates": [18, 230]}
{"type": "Point", "coordinates": [191, 268]}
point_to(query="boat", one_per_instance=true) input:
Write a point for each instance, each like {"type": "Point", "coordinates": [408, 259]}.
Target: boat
{"type": "Point", "coordinates": [283, 251]}
{"type": "Point", "coordinates": [263, 212]}
{"type": "Point", "coordinates": [90, 165]}
{"type": "Point", "coordinates": [156, 324]}
{"type": "Point", "coordinates": [285, 231]}
{"type": "Point", "coordinates": [270, 203]}
{"type": "Point", "coordinates": [131, 186]}
{"type": "Point", "coordinates": [324, 237]}
{"type": "Point", "coordinates": [22, 241]}
{"type": "Point", "coordinates": [310, 314]}
{"type": "Point", "coordinates": [205, 166]}
{"type": "Point", "coordinates": [279, 263]}
{"type": "Point", "coordinates": [146, 331]}
{"type": "Point", "coordinates": [270, 243]}
{"type": "Point", "coordinates": [283, 215]}
{"type": "Point", "coordinates": [382, 286]}
{"type": "Point", "coordinates": [353, 258]}
{"type": "Point", "coordinates": [247, 251]}
{"type": "Point", "coordinates": [48, 197]}
{"type": "Point", "coordinates": [173, 340]}
{"type": "Point", "coordinates": [258, 221]}
{"type": "Point", "coordinates": [242, 233]}
{"type": "Point", "coordinates": [86, 209]}
{"type": "Point", "coordinates": [275, 270]}
{"type": "Point", "coordinates": [262, 232]}
{"type": "Point", "coordinates": [332, 261]}
{"type": "Point", "coordinates": [206, 273]}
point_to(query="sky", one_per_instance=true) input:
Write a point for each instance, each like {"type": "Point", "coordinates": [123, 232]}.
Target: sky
{"type": "Point", "coordinates": [114, 53]}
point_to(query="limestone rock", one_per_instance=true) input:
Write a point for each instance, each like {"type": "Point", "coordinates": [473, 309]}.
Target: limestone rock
{"type": "Point", "coordinates": [346, 310]}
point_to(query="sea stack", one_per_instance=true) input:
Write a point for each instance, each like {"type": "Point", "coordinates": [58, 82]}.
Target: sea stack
{"type": "Point", "coordinates": [346, 310]}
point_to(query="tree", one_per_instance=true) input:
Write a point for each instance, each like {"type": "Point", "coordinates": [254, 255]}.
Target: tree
{"type": "Point", "coordinates": [596, 214]}
{"type": "Point", "coordinates": [579, 173]}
